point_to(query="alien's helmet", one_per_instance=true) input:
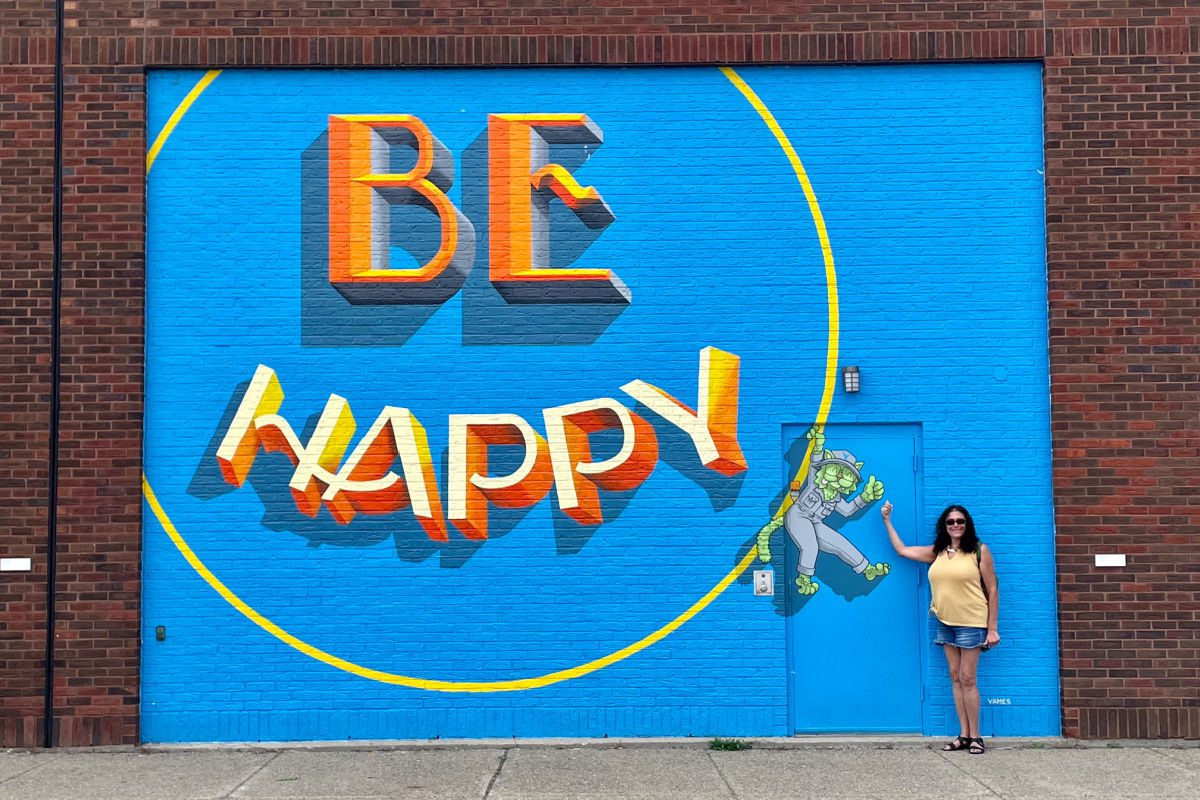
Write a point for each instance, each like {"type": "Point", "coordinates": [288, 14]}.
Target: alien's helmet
{"type": "Point", "coordinates": [843, 458]}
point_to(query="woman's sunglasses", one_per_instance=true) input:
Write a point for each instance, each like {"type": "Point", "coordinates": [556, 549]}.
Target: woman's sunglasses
{"type": "Point", "coordinates": [959, 521]}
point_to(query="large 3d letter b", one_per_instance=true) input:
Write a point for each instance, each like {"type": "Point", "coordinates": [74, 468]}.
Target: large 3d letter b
{"type": "Point", "coordinates": [362, 193]}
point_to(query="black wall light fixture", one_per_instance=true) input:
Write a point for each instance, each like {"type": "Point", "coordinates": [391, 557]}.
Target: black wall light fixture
{"type": "Point", "coordinates": [850, 380]}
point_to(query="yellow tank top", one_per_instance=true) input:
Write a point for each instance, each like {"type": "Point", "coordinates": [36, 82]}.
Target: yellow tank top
{"type": "Point", "coordinates": [958, 597]}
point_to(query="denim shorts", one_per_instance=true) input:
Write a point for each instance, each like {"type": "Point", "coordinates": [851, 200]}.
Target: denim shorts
{"type": "Point", "coordinates": [960, 636]}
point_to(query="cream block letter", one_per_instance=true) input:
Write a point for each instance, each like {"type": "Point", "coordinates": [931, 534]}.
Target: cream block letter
{"type": "Point", "coordinates": [366, 483]}
{"type": "Point", "coordinates": [713, 426]}
{"type": "Point", "coordinates": [576, 476]}
{"type": "Point", "coordinates": [471, 488]}
{"type": "Point", "coordinates": [236, 454]}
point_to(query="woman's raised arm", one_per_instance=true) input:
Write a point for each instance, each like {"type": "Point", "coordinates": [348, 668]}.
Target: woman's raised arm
{"type": "Point", "coordinates": [922, 553]}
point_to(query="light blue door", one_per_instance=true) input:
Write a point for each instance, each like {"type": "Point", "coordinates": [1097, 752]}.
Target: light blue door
{"type": "Point", "coordinates": [854, 645]}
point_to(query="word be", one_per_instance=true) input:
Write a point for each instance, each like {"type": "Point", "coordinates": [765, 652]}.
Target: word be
{"type": "Point", "coordinates": [366, 483]}
{"type": "Point", "coordinates": [521, 180]}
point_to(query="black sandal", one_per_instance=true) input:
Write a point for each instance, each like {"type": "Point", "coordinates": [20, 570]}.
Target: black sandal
{"type": "Point", "coordinates": [961, 743]}
{"type": "Point", "coordinates": [976, 747]}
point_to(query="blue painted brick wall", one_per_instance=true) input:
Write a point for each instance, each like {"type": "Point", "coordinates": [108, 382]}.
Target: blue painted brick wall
{"type": "Point", "coordinates": [929, 180]}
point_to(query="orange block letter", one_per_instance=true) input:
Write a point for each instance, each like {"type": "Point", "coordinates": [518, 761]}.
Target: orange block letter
{"type": "Point", "coordinates": [471, 488]}
{"type": "Point", "coordinates": [362, 190]}
{"type": "Point", "coordinates": [713, 426]}
{"type": "Point", "coordinates": [520, 181]}
{"type": "Point", "coordinates": [366, 483]}
{"type": "Point", "coordinates": [576, 476]}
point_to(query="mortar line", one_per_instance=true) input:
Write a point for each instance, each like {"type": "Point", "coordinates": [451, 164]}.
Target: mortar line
{"type": "Point", "coordinates": [250, 777]}
{"type": "Point", "coordinates": [732, 792]}
{"type": "Point", "coordinates": [51, 760]}
{"type": "Point", "coordinates": [495, 775]}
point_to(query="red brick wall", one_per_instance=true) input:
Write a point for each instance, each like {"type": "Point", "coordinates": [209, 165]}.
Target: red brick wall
{"type": "Point", "coordinates": [1123, 211]}
{"type": "Point", "coordinates": [1124, 214]}
{"type": "Point", "coordinates": [26, 186]}
{"type": "Point", "coordinates": [99, 512]}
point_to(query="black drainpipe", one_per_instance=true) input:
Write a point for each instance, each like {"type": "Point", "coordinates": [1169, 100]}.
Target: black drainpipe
{"type": "Point", "coordinates": [55, 369]}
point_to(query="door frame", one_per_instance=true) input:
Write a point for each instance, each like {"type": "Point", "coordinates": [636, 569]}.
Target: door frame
{"type": "Point", "coordinates": [920, 601]}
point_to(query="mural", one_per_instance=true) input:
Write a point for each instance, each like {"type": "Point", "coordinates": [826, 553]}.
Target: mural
{"type": "Point", "coordinates": [365, 483]}
{"type": "Point", "coordinates": [832, 478]}
{"type": "Point", "coordinates": [468, 392]}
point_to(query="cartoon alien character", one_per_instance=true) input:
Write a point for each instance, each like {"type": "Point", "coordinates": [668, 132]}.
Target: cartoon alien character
{"type": "Point", "coordinates": [833, 476]}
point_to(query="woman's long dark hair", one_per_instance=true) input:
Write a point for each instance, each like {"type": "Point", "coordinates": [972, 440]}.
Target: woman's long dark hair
{"type": "Point", "coordinates": [941, 538]}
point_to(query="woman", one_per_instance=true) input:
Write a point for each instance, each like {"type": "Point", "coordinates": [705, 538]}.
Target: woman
{"type": "Point", "coordinates": [962, 580]}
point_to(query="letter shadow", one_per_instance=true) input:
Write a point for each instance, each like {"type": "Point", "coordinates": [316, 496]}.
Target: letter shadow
{"type": "Point", "coordinates": [207, 481]}
{"type": "Point", "coordinates": [570, 536]}
{"type": "Point", "coordinates": [676, 449]}
{"type": "Point", "coordinates": [540, 317]}
{"type": "Point", "coordinates": [502, 460]}
{"type": "Point", "coordinates": [269, 479]}
{"type": "Point", "coordinates": [327, 319]}
{"type": "Point", "coordinates": [271, 473]}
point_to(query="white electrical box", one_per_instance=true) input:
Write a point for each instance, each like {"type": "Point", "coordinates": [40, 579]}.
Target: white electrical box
{"type": "Point", "coordinates": [764, 582]}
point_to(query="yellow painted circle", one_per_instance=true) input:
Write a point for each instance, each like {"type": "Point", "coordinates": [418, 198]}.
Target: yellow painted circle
{"type": "Point", "coordinates": [520, 684]}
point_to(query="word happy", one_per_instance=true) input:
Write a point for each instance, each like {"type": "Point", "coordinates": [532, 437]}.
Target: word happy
{"type": "Point", "coordinates": [391, 467]}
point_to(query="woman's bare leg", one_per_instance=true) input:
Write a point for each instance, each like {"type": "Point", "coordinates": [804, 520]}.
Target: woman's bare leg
{"type": "Point", "coordinates": [968, 665]}
{"type": "Point", "coordinates": [952, 661]}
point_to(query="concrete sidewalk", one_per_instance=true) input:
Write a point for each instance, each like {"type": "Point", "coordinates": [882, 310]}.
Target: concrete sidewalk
{"type": "Point", "coordinates": [794, 769]}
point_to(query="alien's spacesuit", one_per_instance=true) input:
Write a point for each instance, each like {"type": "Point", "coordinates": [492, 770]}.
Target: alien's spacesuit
{"type": "Point", "coordinates": [805, 520]}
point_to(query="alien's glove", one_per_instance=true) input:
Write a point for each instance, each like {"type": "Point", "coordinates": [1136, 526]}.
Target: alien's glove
{"type": "Point", "coordinates": [872, 491]}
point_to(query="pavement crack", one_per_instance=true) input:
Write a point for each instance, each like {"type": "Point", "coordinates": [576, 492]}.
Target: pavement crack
{"type": "Point", "coordinates": [1161, 753]}
{"type": "Point", "coordinates": [495, 775]}
{"type": "Point", "coordinates": [246, 781]}
{"type": "Point", "coordinates": [958, 766]}
{"type": "Point", "coordinates": [721, 774]}
{"type": "Point", "coordinates": [37, 766]}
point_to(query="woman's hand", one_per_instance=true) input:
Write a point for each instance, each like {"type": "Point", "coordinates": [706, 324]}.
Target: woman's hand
{"type": "Point", "coordinates": [886, 511]}
{"type": "Point", "coordinates": [993, 637]}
